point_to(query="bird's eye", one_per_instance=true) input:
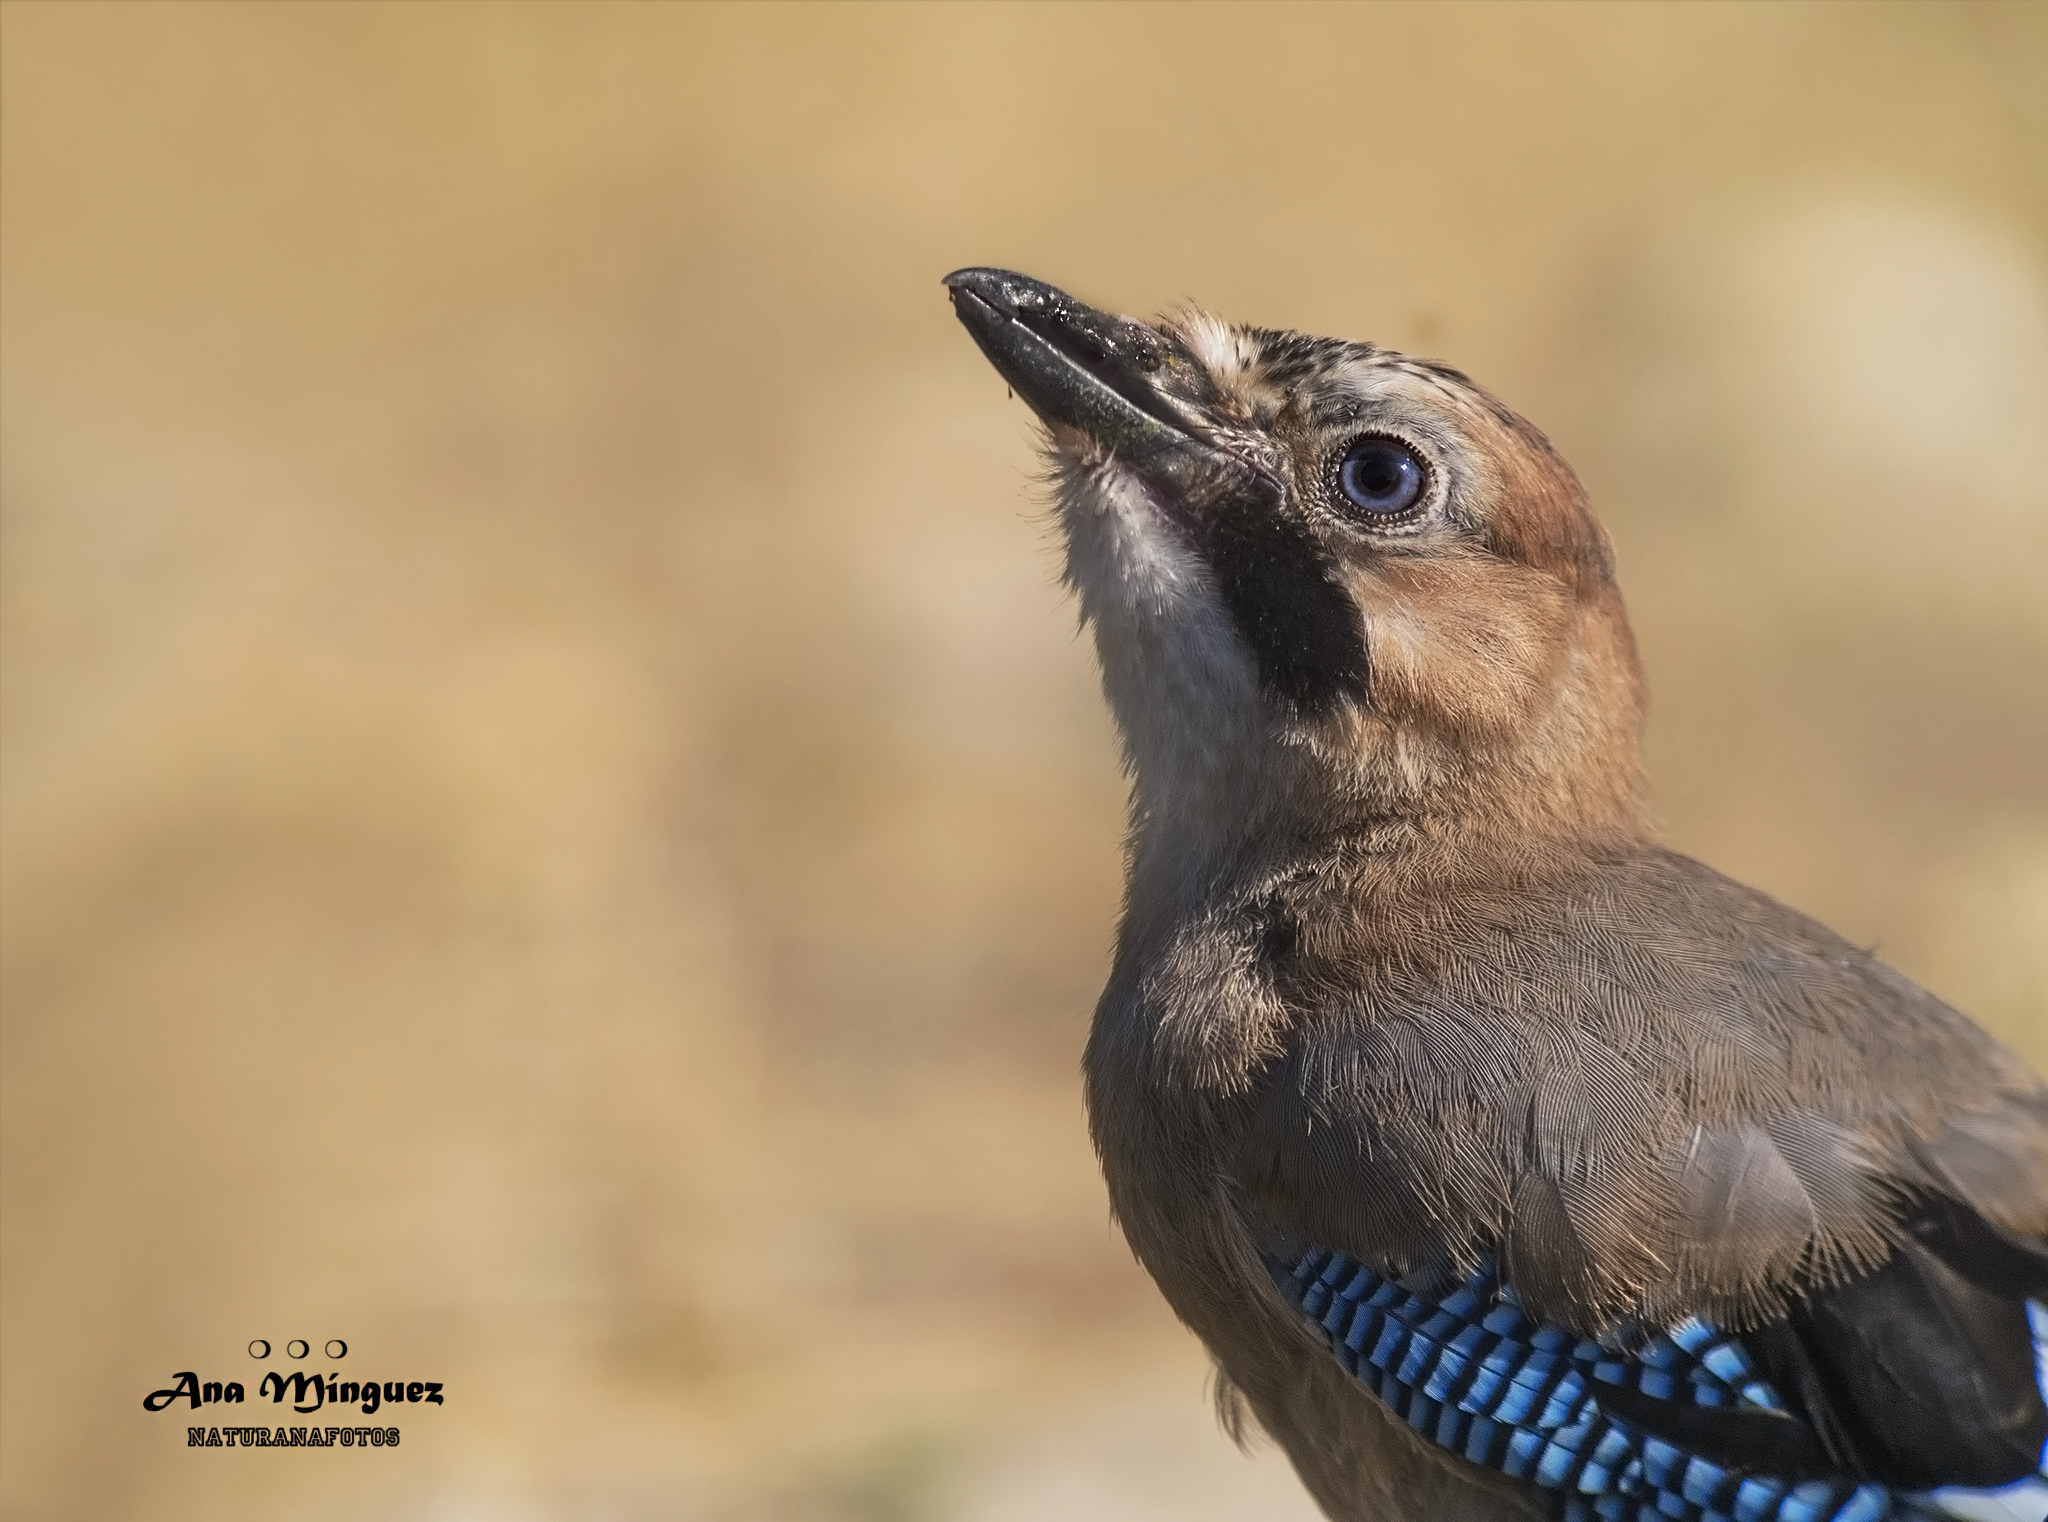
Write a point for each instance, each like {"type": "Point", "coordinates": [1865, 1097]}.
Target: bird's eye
{"type": "Point", "coordinates": [1382, 478]}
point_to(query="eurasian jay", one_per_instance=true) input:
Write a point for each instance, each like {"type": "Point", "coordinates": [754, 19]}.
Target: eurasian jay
{"type": "Point", "coordinates": [1509, 1164]}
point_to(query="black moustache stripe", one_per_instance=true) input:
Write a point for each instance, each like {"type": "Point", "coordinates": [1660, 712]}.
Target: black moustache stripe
{"type": "Point", "coordinates": [1282, 592]}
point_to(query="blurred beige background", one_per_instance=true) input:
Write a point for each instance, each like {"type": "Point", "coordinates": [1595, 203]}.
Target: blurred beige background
{"type": "Point", "coordinates": [555, 824]}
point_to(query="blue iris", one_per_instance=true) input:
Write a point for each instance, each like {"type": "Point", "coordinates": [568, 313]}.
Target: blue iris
{"type": "Point", "coordinates": [1382, 477]}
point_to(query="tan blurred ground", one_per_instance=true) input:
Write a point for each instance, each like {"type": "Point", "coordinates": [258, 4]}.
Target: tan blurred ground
{"type": "Point", "coordinates": [554, 824]}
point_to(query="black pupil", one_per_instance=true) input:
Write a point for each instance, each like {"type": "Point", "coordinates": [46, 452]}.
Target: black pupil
{"type": "Point", "coordinates": [1382, 477]}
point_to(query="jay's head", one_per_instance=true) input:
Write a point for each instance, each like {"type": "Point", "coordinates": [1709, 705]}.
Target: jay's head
{"type": "Point", "coordinates": [1333, 587]}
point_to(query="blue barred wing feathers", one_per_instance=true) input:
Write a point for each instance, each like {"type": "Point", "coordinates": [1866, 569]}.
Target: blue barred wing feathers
{"type": "Point", "coordinates": [1474, 1373]}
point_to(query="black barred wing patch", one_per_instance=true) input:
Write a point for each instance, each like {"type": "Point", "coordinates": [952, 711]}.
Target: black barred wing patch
{"type": "Point", "coordinates": [1472, 1372]}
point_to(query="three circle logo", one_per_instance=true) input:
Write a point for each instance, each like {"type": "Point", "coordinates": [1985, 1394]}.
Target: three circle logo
{"type": "Point", "coordinates": [298, 1348]}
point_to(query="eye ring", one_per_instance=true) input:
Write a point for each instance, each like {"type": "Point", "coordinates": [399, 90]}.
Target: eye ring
{"type": "Point", "coordinates": [1381, 483]}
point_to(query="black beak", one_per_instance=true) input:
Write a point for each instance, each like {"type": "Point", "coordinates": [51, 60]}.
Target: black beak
{"type": "Point", "coordinates": [1077, 366]}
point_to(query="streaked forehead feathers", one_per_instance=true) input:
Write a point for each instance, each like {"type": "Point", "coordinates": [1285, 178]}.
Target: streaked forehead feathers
{"type": "Point", "coordinates": [1223, 351]}
{"type": "Point", "coordinates": [1256, 374]}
